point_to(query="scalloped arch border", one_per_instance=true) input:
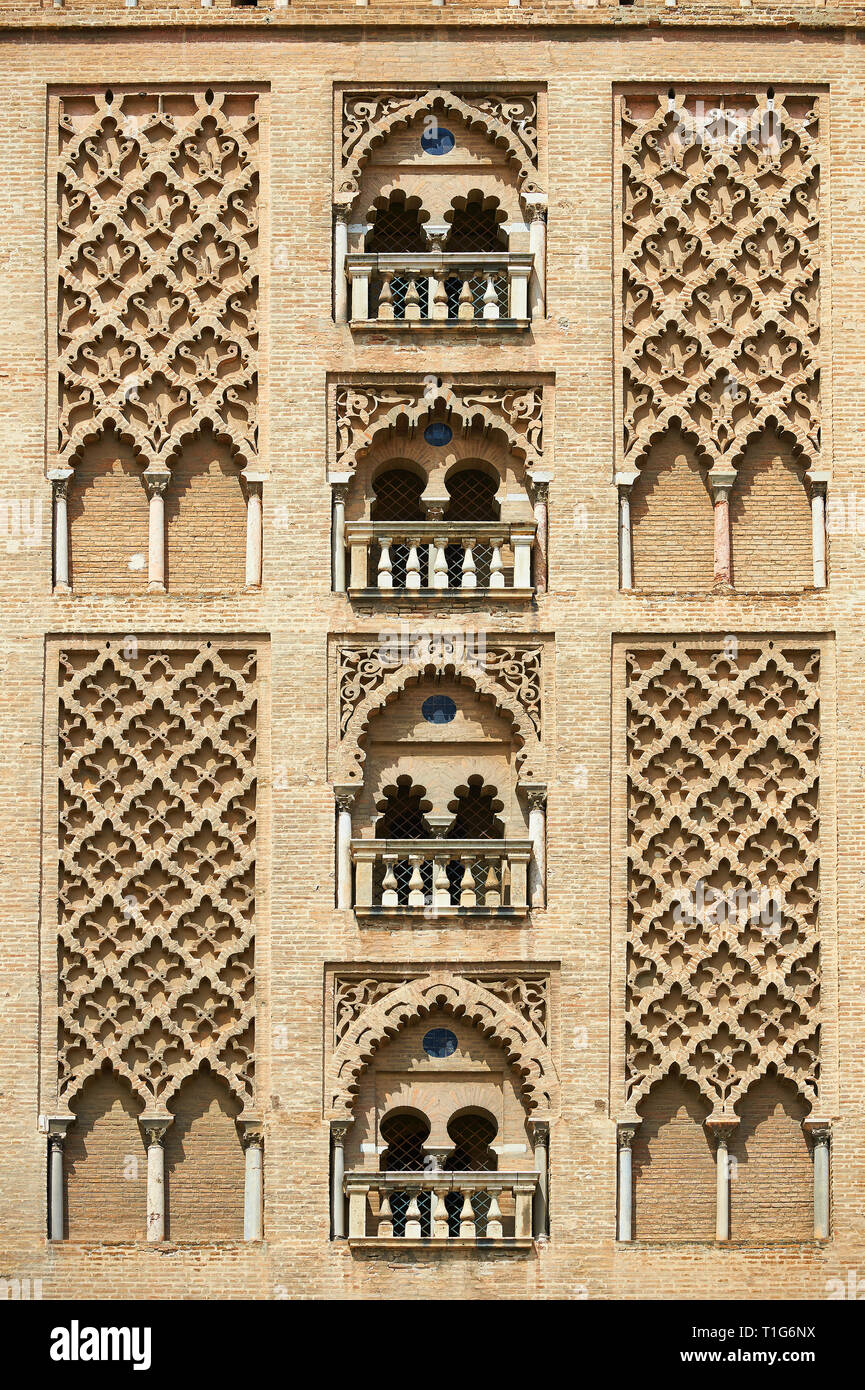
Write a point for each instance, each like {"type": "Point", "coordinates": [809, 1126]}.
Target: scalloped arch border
{"type": "Point", "coordinates": [413, 413]}
{"type": "Point", "coordinates": [498, 131]}
{"type": "Point", "coordinates": [352, 754]}
{"type": "Point", "coordinates": [527, 1053]}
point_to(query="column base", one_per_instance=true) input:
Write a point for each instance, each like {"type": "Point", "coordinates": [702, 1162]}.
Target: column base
{"type": "Point", "coordinates": [155, 587]}
{"type": "Point", "coordinates": [61, 590]}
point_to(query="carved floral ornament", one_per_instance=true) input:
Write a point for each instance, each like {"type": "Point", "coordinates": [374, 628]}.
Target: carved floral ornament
{"type": "Point", "coordinates": [371, 677]}
{"type": "Point", "coordinates": [378, 1013]}
{"type": "Point", "coordinates": [509, 121]}
{"type": "Point", "coordinates": [363, 413]}
{"type": "Point", "coordinates": [157, 271]}
{"type": "Point", "coordinates": [720, 270]}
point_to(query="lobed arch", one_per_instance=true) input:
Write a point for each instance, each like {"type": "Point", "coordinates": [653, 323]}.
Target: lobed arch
{"type": "Point", "coordinates": [529, 759]}
{"type": "Point", "coordinates": [520, 151]}
{"type": "Point", "coordinates": [526, 1051]}
{"type": "Point", "coordinates": [471, 411]}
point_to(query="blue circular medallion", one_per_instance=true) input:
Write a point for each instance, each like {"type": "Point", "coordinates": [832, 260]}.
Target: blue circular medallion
{"type": "Point", "coordinates": [439, 1042]}
{"type": "Point", "coordinates": [438, 709]}
{"type": "Point", "coordinates": [437, 140]}
{"type": "Point", "coordinates": [438, 434]}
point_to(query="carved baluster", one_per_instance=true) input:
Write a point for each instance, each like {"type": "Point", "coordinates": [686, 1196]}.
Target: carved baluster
{"type": "Point", "coordinates": [412, 1219]}
{"type": "Point", "coordinates": [497, 578]}
{"type": "Point", "coordinates": [412, 569]}
{"type": "Point", "coordinates": [439, 307]}
{"type": "Point", "coordinates": [467, 1216]}
{"type": "Point", "coordinates": [468, 896]}
{"type": "Point", "coordinates": [492, 895]}
{"type": "Point", "coordinates": [389, 896]}
{"type": "Point", "coordinates": [385, 299]}
{"type": "Point", "coordinates": [491, 300]}
{"type": "Point", "coordinates": [469, 576]}
{"type": "Point", "coordinates": [494, 1218]}
{"type": "Point", "coordinates": [412, 303]}
{"type": "Point", "coordinates": [466, 306]}
{"type": "Point", "coordinates": [385, 1216]}
{"type": "Point", "coordinates": [440, 1228]}
{"type": "Point", "coordinates": [440, 564]}
{"type": "Point", "coordinates": [441, 886]}
{"type": "Point", "coordinates": [385, 565]}
{"type": "Point", "coordinates": [415, 884]}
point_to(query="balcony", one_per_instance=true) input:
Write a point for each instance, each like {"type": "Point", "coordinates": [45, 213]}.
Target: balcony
{"type": "Point", "coordinates": [440, 289]}
{"type": "Point", "coordinates": [450, 1210]}
{"type": "Point", "coordinates": [465, 560]}
{"type": "Point", "coordinates": [439, 878]}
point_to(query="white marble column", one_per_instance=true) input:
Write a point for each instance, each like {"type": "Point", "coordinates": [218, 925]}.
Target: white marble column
{"type": "Point", "coordinates": [340, 493]}
{"type": "Point", "coordinates": [338, 1136]}
{"type": "Point", "coordinates": [820, 1132]}
{"type": "Point", "coordinates": [538, 247]}
{"type": "Point", "coordinates": [818, 532]}
{"type": "Point", "coordinates": [154, 1129]}
{"type": "Point", "coordinates": [539, 1131]}
{"type": "Point", "coordinates": [536, 796]}
{"type": "Point", "coordinates": [57, 1127]}
{"type": "Point", "coordinates": [624, 483]}
{"type": "Point", "coordinates": [252, 1139]}
{"type": "Point", "coordinates": [340, 250]}
{"type": "Point", "coordinates": [625, 1136]}
{"type": "Point", "coordinates": [254, 483]}
{"type": "Point", "coordinates": [344, 801]}
{"type": "Point", "coordinates": [156, 483]}
{"type": "Point", "coordinates": [59, 479]}
{"type": "Point", "coordinates": [723, 1131]}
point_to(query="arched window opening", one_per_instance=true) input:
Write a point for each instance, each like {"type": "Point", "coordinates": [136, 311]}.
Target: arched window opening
{"type": "Point", "coordinates": [475, 806]}
{"type": "Point", "coordinates": [472, 1135]}
{"type": "Point", "coordinates": [396, 497]}
{"type": "Point", "coordinates": [404, 1136]}
{"type": "Point", "coordinates": [475, 226]}
{"type": "Point", "coordinates": [472, 498]}
{"type": "Point", "coordinates": [398, 230]}
{"type": "Point", "coordinates": [402, 818]}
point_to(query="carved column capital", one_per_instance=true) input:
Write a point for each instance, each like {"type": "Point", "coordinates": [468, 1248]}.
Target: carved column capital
{"type": "Point", "coordinates": [722, 1128]}
{"type": "Point", "coordinates": [345, 797]}
{"type": "Point", "coordinates": [818, 1130]}
{"type": "Point", "coordinates": [59, 480]}
{"type": "Point", "coordinates": [156, 481]}
{"type": "Point", "coordinates": [539, 1133]}
{"type": "Point", "coordinates": [154, 1128]}
{"type": "Point", "coordinates": [339, 1130]}
{"type": "Point", "coordinates": [626, 1133]}
{"type": "Point", "coordinates": [251, 1133]}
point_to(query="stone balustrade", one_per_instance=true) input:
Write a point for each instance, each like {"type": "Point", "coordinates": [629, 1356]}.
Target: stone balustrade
{"type": "Point", "coordinates": [433, 287]}
{"type": "Point", "coordinates": [441, 877]}
{"type": "Point", "coordinates": [441, 1208]}
{"type": "Point", "coordinates": [435, 556]}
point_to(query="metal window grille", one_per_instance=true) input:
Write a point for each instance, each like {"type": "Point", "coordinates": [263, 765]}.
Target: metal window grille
{"type": "Point", "coordinates": [472, 496]}
{"type": "Point", "coordinates": [396, 229]}
{"type": "Point", "coordinates": [475, 228]}
{"type": "Point", "coordinates": [475, 818]}
{"type": "Point", "coordinates": [397, 496]}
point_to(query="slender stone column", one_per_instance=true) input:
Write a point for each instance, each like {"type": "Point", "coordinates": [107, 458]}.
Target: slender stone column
{"type": "Point", "coordinates": [818, 532]}
{"type": "Point", "coordinates": [721, 485]}
{"type": "Point", "coordinates": [536, 795]}
{"type": "Point", "coordinates": [723, 1131]}
{"type": "Point", "coordinates": [820, 1132]}
{"type": "Point", "coordinates": [338, 1136]}
{"type": "Point", "coordinates": [156, 483]}
{"type": "Point", "coordinates": [541, 490]}
{"type": "Point", "coordinates": [57, 1127]}
{"type": "Point", "coordinates": [344, 800]}
{"type": "Point", "coordinates": [154, 1129]}
{"type": "Point", "coordinates": [626, 1181]}
{"type": "Point", "coordinates": [340, 493]}
{"type": "Point", "coordinates": [252, 1139]}
{"type": "Point", "coordinates": [59, 479]}
{"type": "Point", "coordinates": [254, 482]}
{"type": "Point", "coordinates": [340, 250]}
{"type": "Point", "coordinates": [538, 246]}
{"type": "Point", "coordinates": [626, 553]}
{"type": "Point", "coordinates": [539, 1132]}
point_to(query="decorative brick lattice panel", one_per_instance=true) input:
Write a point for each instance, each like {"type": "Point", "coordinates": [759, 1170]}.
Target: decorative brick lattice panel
{"type": "Point", "coordinates": [720, 271]}
{"type": "Point", "coordinates": [157, 822]}
{"type": "Point", "coordinates": [723, 932]}
{"type": "Point", "coordinates": [157, 269]}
